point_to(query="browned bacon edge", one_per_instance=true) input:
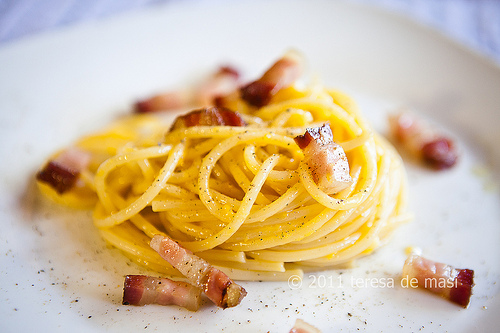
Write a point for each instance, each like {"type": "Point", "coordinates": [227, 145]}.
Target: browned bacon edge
{"type": "Point", "coordinates": [141, 290]}
{"type": "Point", "coordinates": [58, 177]}
{"type": "Point", "coordinates": [224, 81]}
{"type": "Point", "coordinates": [454, 284]}
{"type": "Point", "coordinates": [322, 135]}
{"type": "Point", "coordinates": [210, 116]}
{"type": "Point", "coordinates": [282, 74]}
{"type": "Point", "coordinates": [172, 100]}
{"type": "Point", "coordinates": [229, 71]}
{"type": "Point", "coordinates": [440, 153]}
{"type": "Point", "coordinates": [325, 159]}
{"type": "Point", "coordinates": [218, 287]}
{"type": "Point", "coordinates": [462, 293]}
{"type": "Point", "coordinates": [62, 172]}
{"type": "Point", "coordinates": [423, 141]}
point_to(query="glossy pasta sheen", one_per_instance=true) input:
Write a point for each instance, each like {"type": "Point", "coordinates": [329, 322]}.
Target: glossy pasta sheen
{"type": "Point", "coordinates": [242, 197]}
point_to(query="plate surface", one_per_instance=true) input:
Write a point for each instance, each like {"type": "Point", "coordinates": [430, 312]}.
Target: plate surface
{"type": "Point", "coordinates": [57, 272]}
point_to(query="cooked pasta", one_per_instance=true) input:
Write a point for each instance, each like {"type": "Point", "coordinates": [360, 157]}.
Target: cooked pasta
{"type": "Point", "coordinates": [241, 197]}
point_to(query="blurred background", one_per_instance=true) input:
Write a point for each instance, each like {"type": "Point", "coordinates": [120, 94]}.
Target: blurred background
{"type": "Point", "coordinates": [472, 23]}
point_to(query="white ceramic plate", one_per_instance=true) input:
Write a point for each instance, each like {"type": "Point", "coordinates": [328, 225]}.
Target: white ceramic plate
{"type": "Point", "coordinates": [56, 273]}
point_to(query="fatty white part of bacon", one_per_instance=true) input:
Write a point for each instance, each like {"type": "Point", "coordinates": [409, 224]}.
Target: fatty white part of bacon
{"type": "Point", "coordinates": [74, 159]}
{"type": "Point", "coordinates": [329, 166]}
{"type": "Point", "coordinates": [142, 290]}
{"type": "Point", "coordinates": [326, 160]}
{"type": "Point", "coordinates": [301, 326]}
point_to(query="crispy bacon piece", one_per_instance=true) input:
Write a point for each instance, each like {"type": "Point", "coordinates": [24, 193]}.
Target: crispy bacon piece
{"type": "Point", "coordinates": [301, 326]}
{"type": "Point", "coordinates": [423, 141]}
{"type": "Point", "coordinates": [440, 153]}
{"type": "Point", "coordinates": [282, 74]}
{"type": "Point", "coordinates": [211, 116]}
{"type": "Point", "coordinates": [326, 159]}
{"type": "Point", "coordinates": [62, 172]}
{"type": "Point", "coordinates": [449, 282]}
{"type": "Point", "coordinates": [172, 100]}
{"type": "Point", "coordinates": [221, 83]}
{"type": "Point", "coordinates": [141, 290]}
{"type": "Point", "coordinates": [218, 287]}
{"type": "Point", "coordinates": [224, 82]}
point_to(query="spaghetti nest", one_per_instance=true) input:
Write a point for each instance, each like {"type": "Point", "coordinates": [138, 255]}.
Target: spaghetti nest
{"type": "Point", "coordinates": [242, 197]}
